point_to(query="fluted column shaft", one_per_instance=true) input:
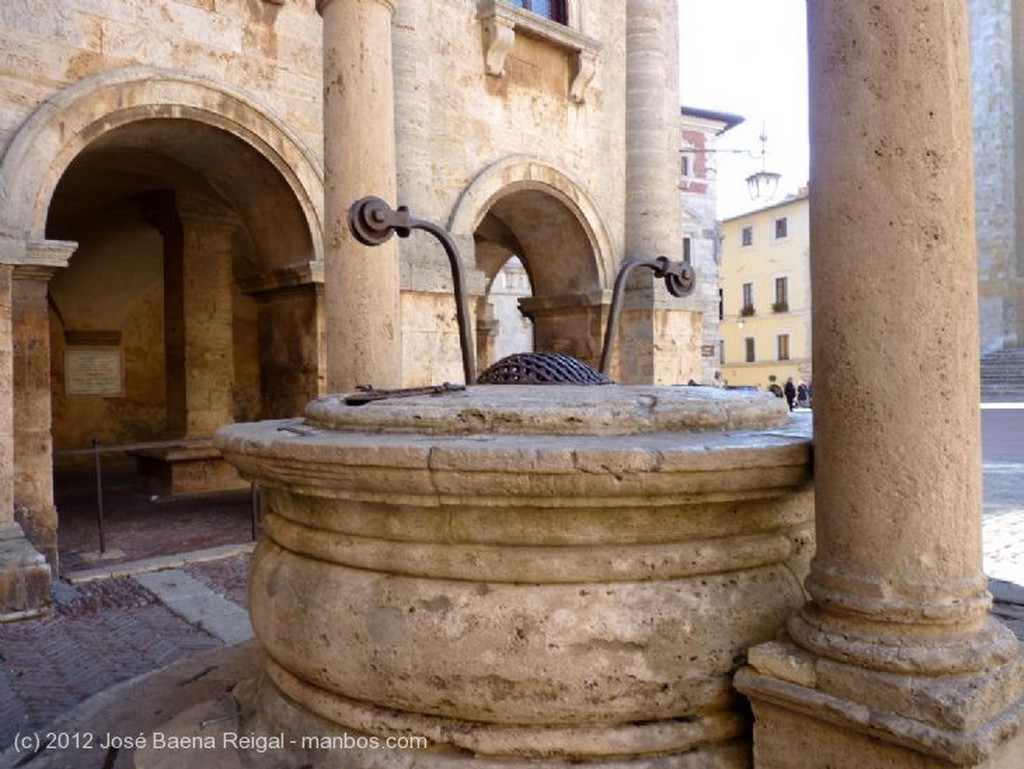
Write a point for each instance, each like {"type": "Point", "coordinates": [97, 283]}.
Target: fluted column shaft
{"type": "Point", "coordinates": [361, 283]}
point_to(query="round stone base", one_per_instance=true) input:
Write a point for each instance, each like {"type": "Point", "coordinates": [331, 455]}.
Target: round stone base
{"type": "Point", "coordinates": [524, 574]}
{"type": "Point", "coordinates": [320, 743]}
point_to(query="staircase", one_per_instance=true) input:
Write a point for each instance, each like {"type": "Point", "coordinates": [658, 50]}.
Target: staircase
{"type": "Point", "coordinates": [1002, 376]}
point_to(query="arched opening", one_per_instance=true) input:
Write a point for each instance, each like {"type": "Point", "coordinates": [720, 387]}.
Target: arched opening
{"type": "Point", "coordinates": [174, 220]}
{"type": "Point", "coordinates": [161, 326]}
{"type": "Point", "coordinates": [559, 291]}
{"type": "Point", "coordinates": [155, 335]}
{"type": "Point", "coordinates": [521, 208]}
{"type": "Point", "coordinates": [191, 298]}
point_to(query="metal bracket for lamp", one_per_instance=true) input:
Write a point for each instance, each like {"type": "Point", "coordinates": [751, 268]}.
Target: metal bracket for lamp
{"type": "Point", "coordinates": [680, 280]}
{"type": "Point", "coordinates": [372, 222]}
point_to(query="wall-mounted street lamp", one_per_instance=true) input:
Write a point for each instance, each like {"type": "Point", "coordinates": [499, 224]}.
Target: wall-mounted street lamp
{"type": "Point", "coordinates": [763, 184]}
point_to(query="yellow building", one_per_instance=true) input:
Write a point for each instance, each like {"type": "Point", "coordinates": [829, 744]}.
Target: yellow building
{"type": "Point", "coordinates": [766, 295]}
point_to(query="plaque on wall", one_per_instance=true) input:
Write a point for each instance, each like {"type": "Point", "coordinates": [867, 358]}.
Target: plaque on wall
{"type": "Point", "coordinates": [94, 371]}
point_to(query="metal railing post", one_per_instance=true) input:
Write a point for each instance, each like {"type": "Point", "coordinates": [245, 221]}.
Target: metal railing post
{"type": "Point", "coordinates": [99, 493]}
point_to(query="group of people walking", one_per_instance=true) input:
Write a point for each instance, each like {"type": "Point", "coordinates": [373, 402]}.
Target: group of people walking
{"type": "Point", "coordinates": [796, 395]}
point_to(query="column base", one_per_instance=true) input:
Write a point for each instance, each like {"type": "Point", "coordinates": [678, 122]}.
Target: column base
{"type": "Point", "coordinates": [848, 717]}
{"type": "Point", "coordinates": [26, 583]}
{"type": "Point", "coordinates": [39, 525]}
{"type": "Point", "coordinates": [259, 727]}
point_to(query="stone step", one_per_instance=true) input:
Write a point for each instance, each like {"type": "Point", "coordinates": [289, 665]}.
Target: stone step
{"type": "Point", "coordinates": [1003, 370]}
{"type": "Point", "coordinates": [1002, 376]}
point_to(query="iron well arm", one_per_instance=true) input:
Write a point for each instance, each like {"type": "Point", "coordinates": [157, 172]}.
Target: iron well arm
{"type": "Point", "coordinates": [680, 280]}
{"type": "Point", "coordinates": [372, 221]}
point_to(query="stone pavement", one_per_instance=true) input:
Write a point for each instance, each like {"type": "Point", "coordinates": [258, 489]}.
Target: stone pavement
{"type": "Point", "coordinates": [1003, 540]}
{"type": "Point", "coordinates": [108, 630]}
{"type": "Point", "coordinates": [138, 637]}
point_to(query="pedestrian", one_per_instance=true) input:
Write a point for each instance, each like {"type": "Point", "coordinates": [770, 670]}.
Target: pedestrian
{"type": "Point", "coordinates": [801, 395]}
{"type": "Point", "coordinates": [790, 391]}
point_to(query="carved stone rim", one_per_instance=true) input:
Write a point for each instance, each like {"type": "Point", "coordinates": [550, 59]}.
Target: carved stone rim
{"type": "Point", "coordinates": [557, 409]}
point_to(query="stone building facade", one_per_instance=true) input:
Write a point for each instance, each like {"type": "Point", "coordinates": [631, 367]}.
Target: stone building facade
{"type": "Point", "coordinates": [700, 129]}
{"type": "Point", "coordinates": [998, 124]}
{"type": "Point", "coordinates": [160, 233]}
{"type": "Point", "coordinates": [766, 287]}
{"type": "Point", "coordinates": [165, 223]}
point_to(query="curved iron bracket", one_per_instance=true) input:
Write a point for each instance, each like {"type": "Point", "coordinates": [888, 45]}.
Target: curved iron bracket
{"type": "Point", "coordinates": [372, 222]}
{"type": "Point", "coordinates": [680, 280]}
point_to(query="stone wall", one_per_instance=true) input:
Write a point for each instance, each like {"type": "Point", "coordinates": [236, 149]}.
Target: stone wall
{"type": "Point", "coordinates": [270, 50]}
{"type": "Point", "coordinates": [996, 161]}
{"type": "Point", "coordinates": [521, 138]}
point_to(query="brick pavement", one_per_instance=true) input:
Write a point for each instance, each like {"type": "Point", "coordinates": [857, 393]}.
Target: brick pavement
{"type": "Point", "coordinates": [137, 524]}
{"type": "Point", "coordinates": [100, 633]}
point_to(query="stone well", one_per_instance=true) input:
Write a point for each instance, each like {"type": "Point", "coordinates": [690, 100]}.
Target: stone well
{"type": "Point", "coordinates": [562, 572]}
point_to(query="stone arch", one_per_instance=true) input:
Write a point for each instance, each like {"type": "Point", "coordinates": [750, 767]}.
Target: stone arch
{"type": "Point", "coordinates": [524, 207]}
{"type": "Point", "coordinates": [519, 173]}
{"type": "Point", "coordinates": [74, 118]}
{"type": "Point", "coordinates": [142, 123]}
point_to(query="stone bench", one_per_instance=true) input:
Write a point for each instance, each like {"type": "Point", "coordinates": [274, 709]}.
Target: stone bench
{"type": "Point", "coordinates": [185, 469]}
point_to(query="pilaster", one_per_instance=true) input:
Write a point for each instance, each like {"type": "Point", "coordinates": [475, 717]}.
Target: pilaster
{"type": "Point", "coordinates": [25, 576]}
{"type": "Point", "coordinates": [290, 318]}
{"type": "Point", "coordinates": [207, 308]}
{"type": "Point", "coordinates": [33, 434]}
{"type": "Point", "coordinates": [573, 324]}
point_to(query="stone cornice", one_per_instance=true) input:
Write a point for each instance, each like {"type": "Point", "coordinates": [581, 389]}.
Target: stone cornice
{"type": "Point", "coordinates": [309, 273]}
{"type": "Point", "coordinates": [41, 258]}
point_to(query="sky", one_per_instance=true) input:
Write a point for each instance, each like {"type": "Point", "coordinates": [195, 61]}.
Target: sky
{"type": "Point", "coordinates": [749, 58]}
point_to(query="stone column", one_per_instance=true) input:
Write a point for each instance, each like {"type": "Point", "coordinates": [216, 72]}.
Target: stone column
{"type": "Point", "coordinates": [653, 218]}
{"type": "Point", "coordinates": [361, 283]}
{"type": "Point", "coordinates": [207, 310]}
{"type": "Point", "coordinates": [289, 303]}
{"type": "Point", "coordinates": [416, 188]}
{"type": "Point", "coordinates": [25, 577]}
{"type": "Point", "coordinates": [198, 343]}
{"type": "Point", "coordinates": [574, 324]}
{"type": "Point", "coordinates": [894, 661]}
{"type": "Point", "coordinates": [33, 418]}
